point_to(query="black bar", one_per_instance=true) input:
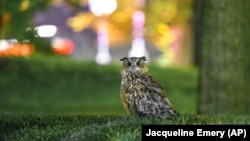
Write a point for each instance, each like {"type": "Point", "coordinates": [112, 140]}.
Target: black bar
{"type": "Point", "coordinates": [214, 132]}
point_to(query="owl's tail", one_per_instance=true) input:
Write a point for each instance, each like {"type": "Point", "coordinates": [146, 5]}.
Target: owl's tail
{"type": "Point", "coordinates": [169, 112]}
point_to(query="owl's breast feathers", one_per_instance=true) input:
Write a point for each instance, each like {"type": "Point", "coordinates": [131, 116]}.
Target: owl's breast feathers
{"type": "Point", "coordinates": [142, 94]}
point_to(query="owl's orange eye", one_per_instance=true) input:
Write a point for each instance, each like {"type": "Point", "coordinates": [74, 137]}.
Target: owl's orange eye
{"type": "Point", "coordinates": [138, 63]}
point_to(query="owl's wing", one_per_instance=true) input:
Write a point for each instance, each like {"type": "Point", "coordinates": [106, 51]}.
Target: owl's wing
{"type": "Point", "coordinates": [160, 88]}
{"type": "Point", "coordinates": [153, 85]}
{"type": "Point", "coordinates": [153, 100]}
{"type": "Point", "coordinates": [124, 98]}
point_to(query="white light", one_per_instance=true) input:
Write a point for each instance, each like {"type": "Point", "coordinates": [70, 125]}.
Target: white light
{"type": "Point", "coordinates": [46, 30]}
{"type": "Point", "coordinates": [4, 45]}
{"type": "Point", "coordinates": [102, 7]}
{"type": "Point", "coordinates": [103, 58]}
{"type": "Point", "coordinates": [138, 48]}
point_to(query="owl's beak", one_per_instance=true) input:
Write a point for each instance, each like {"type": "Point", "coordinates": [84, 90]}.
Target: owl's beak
{"type": "Point", "coordinates": [135, 68]}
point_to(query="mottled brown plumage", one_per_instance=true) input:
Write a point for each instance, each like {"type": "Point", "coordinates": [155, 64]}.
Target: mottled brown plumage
{"type": "Point", "coordinates": [141, 94]}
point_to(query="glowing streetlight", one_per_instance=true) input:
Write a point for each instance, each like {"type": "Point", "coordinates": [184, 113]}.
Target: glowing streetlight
{"type": "Point", "coordinates": [138, 47]}
{"type": "Point", "coordinates": [45, 30]}
{"type": "Point", "coordinates": [102, 8]}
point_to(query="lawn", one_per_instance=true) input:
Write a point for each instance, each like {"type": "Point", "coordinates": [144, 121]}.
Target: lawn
{"type": "Point", "coordinates": [57, 98]}
{"type": "Point", "coordinates": [91, 127]}
{"type": "Point", "coordinates": [61, 85]}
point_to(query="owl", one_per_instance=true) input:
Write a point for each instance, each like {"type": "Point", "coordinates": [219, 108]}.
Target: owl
{"type": "Point", "coordinates": [140, 93]}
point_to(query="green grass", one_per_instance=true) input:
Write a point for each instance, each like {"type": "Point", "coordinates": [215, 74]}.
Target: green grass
{"type": "Point", "coordinates": [23, 127]}
{"type": "Point", "coordinates": [57, 98]}
{"type": "Point", "coordinates": [58, 85]}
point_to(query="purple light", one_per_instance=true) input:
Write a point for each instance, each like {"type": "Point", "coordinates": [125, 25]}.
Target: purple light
{"type": "Point", "coordinates": [138, 19]}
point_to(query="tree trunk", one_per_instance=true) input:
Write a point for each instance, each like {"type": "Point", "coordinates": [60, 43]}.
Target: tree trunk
{"type": "Point", "coordinates": [225, 57]}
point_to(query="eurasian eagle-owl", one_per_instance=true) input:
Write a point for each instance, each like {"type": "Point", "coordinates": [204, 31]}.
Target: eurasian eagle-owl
{"type": "Point", "coordinates": [141, 94]}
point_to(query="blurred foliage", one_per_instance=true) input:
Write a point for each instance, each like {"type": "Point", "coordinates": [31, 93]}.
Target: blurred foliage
{"type": "Point", "coordinates": [46, 83]}
{"type": "Point", "coordinates": [164, 14]}
{"type": "Point", "coordinates": [161, 15]}
{"type": "Point", "coordinates": [17, 15]}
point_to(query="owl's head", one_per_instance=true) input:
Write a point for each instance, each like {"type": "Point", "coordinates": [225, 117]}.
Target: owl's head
{"type": "Point", "coordinates": [134, 64]}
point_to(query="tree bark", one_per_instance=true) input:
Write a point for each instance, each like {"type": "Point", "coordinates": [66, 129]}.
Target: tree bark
{"type": "Point", "coordinates": [225, 57]}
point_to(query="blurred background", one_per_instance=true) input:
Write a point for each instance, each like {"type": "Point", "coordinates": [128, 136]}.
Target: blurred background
{"type": "Point", "coordinates": [63, 55]}
{"type": "Point", "coordinates": [107, 29]}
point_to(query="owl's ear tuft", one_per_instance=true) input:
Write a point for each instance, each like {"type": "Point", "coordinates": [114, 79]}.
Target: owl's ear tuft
{"type": "Point", "coordinates": [124, 58]}
{"type": "Point", "coordinates": [143, 58]}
